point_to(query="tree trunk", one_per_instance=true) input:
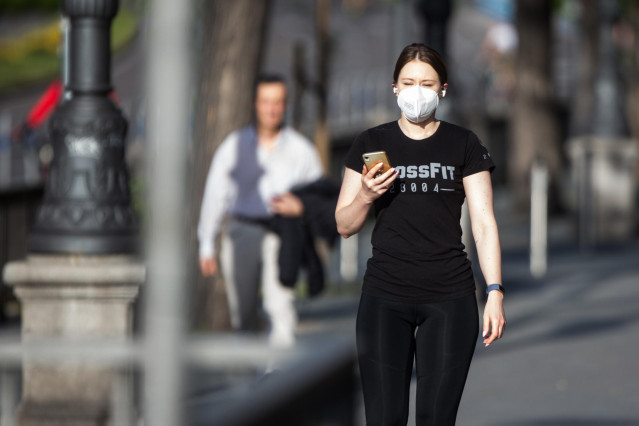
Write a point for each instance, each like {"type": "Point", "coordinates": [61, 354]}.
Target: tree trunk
{"type": "Point", "coordinates": [580, 122]}
{"type": "Point", "coordinates": [322, 135]}
{"type": "Point", "coordinates": [633, 74]}
{"type": "Point", "coordinates": [230, 55]}
{"type": "Point", "coordinates": [535, 130]}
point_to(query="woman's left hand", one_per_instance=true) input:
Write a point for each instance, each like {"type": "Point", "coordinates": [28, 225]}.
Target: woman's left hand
{"type": "Point", "coordinates": [494, 317]}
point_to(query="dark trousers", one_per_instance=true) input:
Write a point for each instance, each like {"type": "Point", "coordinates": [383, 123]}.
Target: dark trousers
{"type": "Point", "coordinates": [440, 337]}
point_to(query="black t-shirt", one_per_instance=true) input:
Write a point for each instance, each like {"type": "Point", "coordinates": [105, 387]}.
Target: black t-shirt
{"type": "Point", "coordinates": [418, 255]}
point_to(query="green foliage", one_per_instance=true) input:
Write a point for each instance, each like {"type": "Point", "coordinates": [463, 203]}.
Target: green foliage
{"type": "Point", "coordinates": [557, 4]}
{"type": "Point", "coordinates": [35, 67]}
{"type": "Point", "coordinates": [137, 188]}
{"type": "Point", "coordinates": [44, 39]}
{"type": "Point", "coordinates": [29, 5]}
{"type": "Point", "coordinates": [34, 56]}
{"type": "Point", "coordinates": [123, 29]}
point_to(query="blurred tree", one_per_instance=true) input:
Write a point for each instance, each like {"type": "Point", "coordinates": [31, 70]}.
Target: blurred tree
{"type": "Point", "coordinates": [583, 101]}
{"type": "Point", "coordinates": [322, 136]}
{"type": "Point", "coordinates": [232, 35]}
{"type": "Point", "coordinates": [435, 15]}
{"type": "Point", "coordinates": [299, 84]}
{"type": "Point", "coordinates": [534, 126]}
{"type": "Point", "coordinates": [627, 38]}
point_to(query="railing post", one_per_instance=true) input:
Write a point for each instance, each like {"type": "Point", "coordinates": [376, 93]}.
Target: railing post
{"type": "Point", "coordinates": [169, 68]}
{"type": "Point", "coordinates": [538, 219]}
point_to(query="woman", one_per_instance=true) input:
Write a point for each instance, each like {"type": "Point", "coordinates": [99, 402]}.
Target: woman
{"type": "Point", "coordinates": [418, 298]}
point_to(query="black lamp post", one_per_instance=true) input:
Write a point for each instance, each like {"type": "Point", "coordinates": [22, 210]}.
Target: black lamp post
{"type": "Point", "coordinates": [87, 206]}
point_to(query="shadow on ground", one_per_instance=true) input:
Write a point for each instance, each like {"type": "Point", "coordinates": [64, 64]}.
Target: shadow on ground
{"type": "Point", "coordinates": [572, 422]}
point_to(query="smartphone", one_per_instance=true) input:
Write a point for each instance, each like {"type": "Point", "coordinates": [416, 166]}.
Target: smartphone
{"type": "Point", "coordinates": [373, 158]}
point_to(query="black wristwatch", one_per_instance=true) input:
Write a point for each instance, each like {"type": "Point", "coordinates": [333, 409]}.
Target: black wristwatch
{"type": "Point", "coordinates": [492, 287]}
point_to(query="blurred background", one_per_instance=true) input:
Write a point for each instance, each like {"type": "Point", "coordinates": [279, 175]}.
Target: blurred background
{"type": "Point", "coordinates": [551, 87]}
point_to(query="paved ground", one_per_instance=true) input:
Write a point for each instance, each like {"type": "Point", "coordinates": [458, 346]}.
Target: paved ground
{"type": "Point", "coordinates": [568, 357]}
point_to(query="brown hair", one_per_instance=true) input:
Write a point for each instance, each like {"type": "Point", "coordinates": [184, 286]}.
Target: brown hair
{"type": "Point", "coordinates": [422, 53]}
{"type": "Point", "coordinates": [266, 79]}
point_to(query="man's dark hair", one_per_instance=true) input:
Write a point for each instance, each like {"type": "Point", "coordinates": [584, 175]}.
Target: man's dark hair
{"type": "Point", "coordinates": [267, 78]}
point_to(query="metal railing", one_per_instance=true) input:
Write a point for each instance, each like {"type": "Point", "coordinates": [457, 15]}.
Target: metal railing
{"type": "Point", "coordinates": [320, 370]}
{"type": "Point", "coordinates": [359, 100]}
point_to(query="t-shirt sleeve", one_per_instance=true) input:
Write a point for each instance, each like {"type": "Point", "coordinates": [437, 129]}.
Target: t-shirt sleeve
{"type": "Point", "coordinates": [353, 158]}
{"type": "Point", "coordinates": [477, 157]}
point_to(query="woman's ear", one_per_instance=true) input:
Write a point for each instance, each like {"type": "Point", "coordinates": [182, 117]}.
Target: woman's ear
{"type": "Point", "coordinates": [444, 88]}
{"type": "Point", "coordinates": [394, 88]}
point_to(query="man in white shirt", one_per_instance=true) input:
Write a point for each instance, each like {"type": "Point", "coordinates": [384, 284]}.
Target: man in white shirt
{"type": "Point", "coordinates": [250, 179]}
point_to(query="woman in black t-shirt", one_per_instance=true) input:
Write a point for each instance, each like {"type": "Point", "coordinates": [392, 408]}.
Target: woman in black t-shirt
{"type": "Point", "coordinates": [418, 298]}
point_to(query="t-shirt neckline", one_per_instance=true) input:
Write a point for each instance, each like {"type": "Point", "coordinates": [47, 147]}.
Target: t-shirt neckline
{"type": "Point", "coordinates": [401, 132]}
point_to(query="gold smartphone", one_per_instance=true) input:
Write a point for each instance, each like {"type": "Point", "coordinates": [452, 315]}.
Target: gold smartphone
{"type": "Point", "coordinates": [371, 159]}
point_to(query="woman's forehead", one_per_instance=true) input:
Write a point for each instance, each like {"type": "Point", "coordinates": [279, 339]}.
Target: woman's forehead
{"type": "Point", "coordinates": [418, 70]}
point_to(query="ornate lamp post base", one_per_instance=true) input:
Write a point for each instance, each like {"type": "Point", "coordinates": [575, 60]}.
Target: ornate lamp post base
{"type": "Point", "coordinates": [87, 206]}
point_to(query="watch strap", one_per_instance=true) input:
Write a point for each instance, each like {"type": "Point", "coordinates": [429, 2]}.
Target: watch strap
{"type": "Point", "coordinates": [497, 287]}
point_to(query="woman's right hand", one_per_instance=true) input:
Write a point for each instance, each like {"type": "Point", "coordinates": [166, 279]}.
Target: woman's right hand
{"type": "Point", "coordinates": [357, 195]}
{"type": "Point", "coordinates": [374, 187]}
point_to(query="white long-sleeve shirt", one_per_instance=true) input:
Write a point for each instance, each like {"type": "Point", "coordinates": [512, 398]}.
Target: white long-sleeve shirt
{"type": "Point", "coordinates": [244, 177]}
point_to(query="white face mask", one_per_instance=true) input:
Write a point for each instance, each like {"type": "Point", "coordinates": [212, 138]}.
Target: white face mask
{"type": "Point", "coordinates": [417, 103]}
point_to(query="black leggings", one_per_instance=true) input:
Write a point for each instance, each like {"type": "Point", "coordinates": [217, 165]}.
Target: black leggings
{"type": "Point", "coordinates": [441, 337]}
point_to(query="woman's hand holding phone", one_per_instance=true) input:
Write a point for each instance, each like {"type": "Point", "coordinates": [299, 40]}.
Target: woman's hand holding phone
{"type": "Point", "coordinates": [374, 187]}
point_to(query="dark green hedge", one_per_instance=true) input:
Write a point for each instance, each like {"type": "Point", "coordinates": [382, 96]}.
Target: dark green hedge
{"type": "Point", "coordinates": [29, 5]}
